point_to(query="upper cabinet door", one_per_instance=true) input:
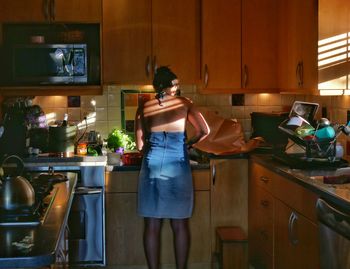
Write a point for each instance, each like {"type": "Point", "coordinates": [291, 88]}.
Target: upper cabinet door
{"type": "Point", "coordinates": [176, 37]}
{"type": "Point", "coordinates": [24, 10]}
{"type": "Point", "coordinates": [50, 11]}
{"type": "Point", "coordinates": [259, 44]}
{"type": "Point", "coordinates": [298, 36]}
{"type": "Point", "coordinates": [141, 35]}
{"type": "Point", "coordinates": [127, 51]}
{"type": "Point", "coordinates": [221, 44]}
{"type": "Point", "coordinates": [76, 10]}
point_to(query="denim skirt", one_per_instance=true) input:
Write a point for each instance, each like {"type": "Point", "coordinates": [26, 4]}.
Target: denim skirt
{"type": "Point", "coordinates": [165, 187]}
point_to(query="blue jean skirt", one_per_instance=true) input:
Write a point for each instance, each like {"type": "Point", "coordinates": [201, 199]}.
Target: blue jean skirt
{"type": "Point", "coordinates": [165, 187]}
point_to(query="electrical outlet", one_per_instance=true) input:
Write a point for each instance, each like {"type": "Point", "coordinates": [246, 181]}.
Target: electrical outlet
{"type": "Point", "coordinates": [237, 99]}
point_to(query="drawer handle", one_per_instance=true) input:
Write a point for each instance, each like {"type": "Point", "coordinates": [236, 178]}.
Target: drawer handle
{"type": "Point", "coordinates": [264, 179]}
{"type": "Point", "coordinates": [264, 203]}
{"type": "Point", "coordinates": [293, 237]}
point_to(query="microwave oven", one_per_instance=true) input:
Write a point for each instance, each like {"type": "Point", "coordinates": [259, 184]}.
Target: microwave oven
{"type": "Point", "coordinates": [42, 64]}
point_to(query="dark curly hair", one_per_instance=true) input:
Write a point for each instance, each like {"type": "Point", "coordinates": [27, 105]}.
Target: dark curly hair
{"type": "Point", "coordinates": [163, 78]}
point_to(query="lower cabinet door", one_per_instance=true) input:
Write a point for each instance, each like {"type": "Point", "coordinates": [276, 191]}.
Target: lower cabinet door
{"type": "Point", "coordinates": [124, 232]}
{"type": "Point", "coordinates": [296, 240]}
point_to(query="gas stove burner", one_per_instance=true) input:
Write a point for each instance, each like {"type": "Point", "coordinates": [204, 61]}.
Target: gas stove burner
{"type": "Point", "coordinates": [34, 215]}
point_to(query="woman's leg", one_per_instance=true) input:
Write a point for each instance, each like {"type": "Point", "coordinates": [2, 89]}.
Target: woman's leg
{"type": "Point", "coordinates": [151, 241]}
{"type": "Point", "coordinates": [181, 241]}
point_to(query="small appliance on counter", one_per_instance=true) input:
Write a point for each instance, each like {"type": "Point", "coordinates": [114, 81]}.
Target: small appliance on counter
{"type": "Point", "coordinates": [14, 128]}
{"type": "Point", "coordinates": [313, 143]}
{"type": "Point", "coordinates": [265, 125]}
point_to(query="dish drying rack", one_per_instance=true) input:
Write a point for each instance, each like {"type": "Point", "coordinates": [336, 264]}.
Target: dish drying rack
{"type": "Point", "coordinates": [315, 148]}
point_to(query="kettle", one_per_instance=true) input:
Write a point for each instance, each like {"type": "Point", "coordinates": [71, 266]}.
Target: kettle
{"type": "Point", "coordinates": [15, 191]}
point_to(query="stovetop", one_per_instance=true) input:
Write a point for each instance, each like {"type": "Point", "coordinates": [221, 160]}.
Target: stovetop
{"type": "Point", "coordinates": [31, 216]}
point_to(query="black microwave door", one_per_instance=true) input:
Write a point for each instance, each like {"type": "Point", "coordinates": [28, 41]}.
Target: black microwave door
{"type": "Point", "coordinates": [49, 65]}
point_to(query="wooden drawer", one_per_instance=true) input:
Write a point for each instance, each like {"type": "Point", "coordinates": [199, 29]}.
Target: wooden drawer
{"type": "Point", "coordinates": [264, 203]}
{"type": "Point", "coordinates": [121, 181]}
{"type": "Point", "coordinates": [296, 197]}
{"type": "Point", "coordinates": [262, 176]}
{"type": "Point", "coordinates": [127, 181]}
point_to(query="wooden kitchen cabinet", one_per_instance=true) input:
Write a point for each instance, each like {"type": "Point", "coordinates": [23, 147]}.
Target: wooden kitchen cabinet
{"type": "Point", "coordinates": [50, 11]}
{"type": "Point", "coordinates": [296, 239]}
{"type": "Point", "coordinates": [124, 228]}
{"type": "Point", "coordinates": [229, 192]}
{"type": "Point", "coordinates": [282, 222]}
{"type": "Point", "coordinates": [298, 39]}
{"type": "Point", "coordinates": [221, 44]}
{"type": "Point", "coordinates": [259, 45]}
{"type": "Point", "coordinates": [140, 35]}
{"type": "Point", "coordinates": [239, 46]}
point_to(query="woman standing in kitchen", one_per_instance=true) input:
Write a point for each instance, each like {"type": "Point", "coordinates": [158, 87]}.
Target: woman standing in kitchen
{"type": "Point", "coordinates": [165, 182]}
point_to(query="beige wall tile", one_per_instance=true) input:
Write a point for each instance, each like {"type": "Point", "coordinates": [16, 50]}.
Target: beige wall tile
{"type": "Point", "coordinates": [238, 112]}
{"type": "Point", "coordinates": [114, 124]}
{"type": "Point", "coordinates": [55, 114]}
{"type": "Point", "coordinates": [60, 101]}
{"type": "Point", "coordinates": [268, 99]}
{"type": "Point", "coordinates": [85, 101]}
{"type": "Point", "coordinates": [250, 99]}
{"type": "Point", "coordinates": [114, 114]}
{"type": "Point", "coordinates": [74, 114]}
{"type": "Point", "coordinates": [44, 101]}
{"type": "Point", "coordinates": [114, 98]}
{"type": "Point", "coordinates": [101, 113]}
{"type": "Point", "coordinates": [249, 109]}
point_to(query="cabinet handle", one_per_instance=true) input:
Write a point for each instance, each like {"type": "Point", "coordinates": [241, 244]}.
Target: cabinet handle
{"type": "Point", "coordinates": [53, 9]}
{"type": "Point", "coordinates": [46, 9]}
{"type": "Point", "coordinates": [206, 75]}
{"type": "Point", "coordinates": [297, 74]}
{"type": "Point", "coordinates": [292, 236]}
{"type": "Point", "coordinates": [264, 179]}
{"type": "Point", "coordinates": [155, 66]}
{"type": "Point", "coordinates": [148, 66]}
{"type": "Point", "coordinates": [264, 203]}
{"type": "Point", "coordinates": [213, 174]}
{"type": "Point", "coordinates": [245, 76]}
{"type": "Point", "coordinates": [301, 73]}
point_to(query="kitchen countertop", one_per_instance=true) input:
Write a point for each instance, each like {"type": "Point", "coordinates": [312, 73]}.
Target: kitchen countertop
{"type": "Point", "coordinates": [338, 194]}
{"type": "Point", "coordinates": [45, 236]}
{"type": "Point", "coordinates": [75, 160]}
{"type": "Point", "coordinates": [111, 168]}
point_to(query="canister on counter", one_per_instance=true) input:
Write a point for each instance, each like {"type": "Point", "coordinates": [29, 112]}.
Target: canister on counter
{"type": "Point", "coordinates": [82, 148]}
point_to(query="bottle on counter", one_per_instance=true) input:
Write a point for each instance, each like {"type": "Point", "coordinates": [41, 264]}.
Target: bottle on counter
{"type": "Point", "coordinates": [65, 120]}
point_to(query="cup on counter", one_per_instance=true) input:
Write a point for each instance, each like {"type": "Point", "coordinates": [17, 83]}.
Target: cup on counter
{"type": "Point", "coordinates": [114, 158]}
{"type": "Point", "coordinates": [339, 151]}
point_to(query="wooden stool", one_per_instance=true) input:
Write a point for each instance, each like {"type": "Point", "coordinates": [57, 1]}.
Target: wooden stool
{"type": "Point", "coordinates": [232, 244]}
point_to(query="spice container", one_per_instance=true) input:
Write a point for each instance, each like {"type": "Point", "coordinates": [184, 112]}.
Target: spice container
{"type": "Point", "coordinates": [82, 148]}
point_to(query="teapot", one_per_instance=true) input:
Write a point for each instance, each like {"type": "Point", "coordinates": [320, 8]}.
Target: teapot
{"type": "Point", "coordinates": [15, 191]}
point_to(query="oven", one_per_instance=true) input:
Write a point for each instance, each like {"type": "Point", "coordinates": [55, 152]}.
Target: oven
{"type": "Point", "coordinates": [86, 222]}
{"type": "Point", "coordinates": [334, 228]}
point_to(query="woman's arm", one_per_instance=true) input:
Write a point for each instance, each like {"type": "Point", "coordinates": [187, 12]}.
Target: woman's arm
{"type": "Point", "coordinates": [139, 130]}
{"type": "Point", "coordinates": [200, 125]}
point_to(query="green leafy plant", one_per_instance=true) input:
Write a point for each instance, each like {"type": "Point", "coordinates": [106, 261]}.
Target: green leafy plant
{"type": "Point", "coordinates": [119, 139]}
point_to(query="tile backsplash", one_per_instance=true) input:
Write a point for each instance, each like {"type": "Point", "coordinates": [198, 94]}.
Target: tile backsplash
{"type": "Point", "coordinates": [106, 113]}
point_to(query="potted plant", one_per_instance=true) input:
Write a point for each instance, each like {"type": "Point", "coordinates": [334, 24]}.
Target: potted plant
{"type": "Point", "coordinates": [118, 140]}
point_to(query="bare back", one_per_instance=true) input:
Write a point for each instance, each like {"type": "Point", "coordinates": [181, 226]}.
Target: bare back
{"type": "Point", "coordinates": [168, 115]}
